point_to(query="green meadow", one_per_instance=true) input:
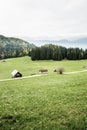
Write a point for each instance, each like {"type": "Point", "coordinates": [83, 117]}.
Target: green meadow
{"type": "Point", "coordinates": [47, 102]}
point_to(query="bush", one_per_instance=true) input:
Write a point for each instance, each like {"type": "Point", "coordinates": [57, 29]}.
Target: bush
{"type": "Point", "coordinates": [59, 70]}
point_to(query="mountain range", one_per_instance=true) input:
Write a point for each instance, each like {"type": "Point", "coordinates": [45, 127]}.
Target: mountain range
{"type": "Point", "coordinates": [30, 43]}
{"type": "Point", "coordinates": [79, 42]}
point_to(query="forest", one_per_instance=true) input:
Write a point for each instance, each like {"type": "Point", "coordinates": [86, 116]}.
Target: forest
{"type": "Point", "coordinates": [11, 47]}
{"type": "Point", "coordinates": [11, 51]}
{"type": "Point", "coordinates": [55, 52]}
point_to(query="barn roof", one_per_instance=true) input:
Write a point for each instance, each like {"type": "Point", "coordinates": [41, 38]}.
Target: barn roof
{"type": "Point", "coordinates": [14, 72]}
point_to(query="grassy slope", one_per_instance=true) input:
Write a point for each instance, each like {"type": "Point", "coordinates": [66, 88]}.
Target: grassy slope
{"type": "Point", "coordinates": [51, 102]}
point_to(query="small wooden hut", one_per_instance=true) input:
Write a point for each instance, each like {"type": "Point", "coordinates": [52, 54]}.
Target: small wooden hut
{"type": "Point", "coordinates": [16, 74]}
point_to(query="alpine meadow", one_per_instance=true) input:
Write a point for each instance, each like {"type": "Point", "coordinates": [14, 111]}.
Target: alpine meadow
{"type": "Point", "coordinates": [50, 101]}
{"type": "Point", "coordinates": [43, 64]}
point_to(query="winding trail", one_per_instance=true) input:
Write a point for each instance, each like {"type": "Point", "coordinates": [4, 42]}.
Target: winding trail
{"type": "Point", "coordinates": [75, 72]}
{"type": "Point", "coordinates": [25, 77]}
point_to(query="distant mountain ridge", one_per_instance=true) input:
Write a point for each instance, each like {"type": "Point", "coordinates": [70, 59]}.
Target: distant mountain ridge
{"type": "Point", "coordinates": [79, 42]}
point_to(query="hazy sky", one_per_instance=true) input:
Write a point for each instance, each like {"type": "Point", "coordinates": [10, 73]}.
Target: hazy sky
{"type": "Point", "coordinates": [50, 19]}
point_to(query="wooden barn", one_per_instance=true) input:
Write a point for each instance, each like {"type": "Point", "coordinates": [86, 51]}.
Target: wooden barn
{"type": "Point", "coordinates": [16, 74]}
{"type": "Point", "coordinates": [43, 71]}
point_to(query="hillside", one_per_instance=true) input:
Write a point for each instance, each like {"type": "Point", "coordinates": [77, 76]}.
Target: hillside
{"type": "Point", "coordinates": [13, 47]}
{"type": "Point", "coordinates": [14, 41]}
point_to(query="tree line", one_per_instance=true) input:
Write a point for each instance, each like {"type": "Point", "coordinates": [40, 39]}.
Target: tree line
{"type": "Point", "coordinates": [55, 52]}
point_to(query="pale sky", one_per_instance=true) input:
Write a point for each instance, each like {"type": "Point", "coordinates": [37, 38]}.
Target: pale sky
{"type": "Point", "coordinates": [49, 19]}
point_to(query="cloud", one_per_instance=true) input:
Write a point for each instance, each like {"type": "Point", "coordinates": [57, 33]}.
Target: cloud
{"type": "Point", "coordinates": [51, 18]}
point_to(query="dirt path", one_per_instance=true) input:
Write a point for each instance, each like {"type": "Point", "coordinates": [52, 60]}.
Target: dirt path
{"type": "Point", "coordinates": [75, 72]}
{"type": "Point", "coordinates": [25, 77]}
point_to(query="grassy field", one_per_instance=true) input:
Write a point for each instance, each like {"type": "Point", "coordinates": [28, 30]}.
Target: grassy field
{"type": "Point", "coordinates": [49, 102]}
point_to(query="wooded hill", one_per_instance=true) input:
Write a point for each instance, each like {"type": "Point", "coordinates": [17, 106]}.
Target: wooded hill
{"type": "Point", "coordinates": [13, 47]}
